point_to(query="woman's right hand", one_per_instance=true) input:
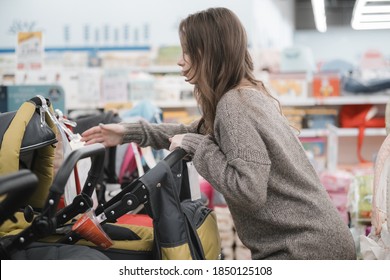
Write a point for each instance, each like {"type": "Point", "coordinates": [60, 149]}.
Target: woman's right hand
{"type": "Point", "coordinates": [109, 135]}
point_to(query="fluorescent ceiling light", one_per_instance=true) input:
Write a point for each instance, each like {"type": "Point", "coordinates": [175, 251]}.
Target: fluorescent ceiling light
{"type": "Point", "coordinates": [371, 14]}
{"type": "Point", "coordinates": [319, 14]}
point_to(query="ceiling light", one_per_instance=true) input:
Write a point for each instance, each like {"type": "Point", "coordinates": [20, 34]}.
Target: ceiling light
{"type": "Point", "coordinates": [371, 14]}
{"type": "Point", "coordinates": [319, 14]}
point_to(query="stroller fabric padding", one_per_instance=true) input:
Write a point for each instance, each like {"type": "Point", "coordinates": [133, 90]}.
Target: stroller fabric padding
{"type": "Point", "coordinates": [176, 222]}
{"type": "Point", "coordinates": [25, 127]}
{"type": "Point", "coordinates": [53, 251]}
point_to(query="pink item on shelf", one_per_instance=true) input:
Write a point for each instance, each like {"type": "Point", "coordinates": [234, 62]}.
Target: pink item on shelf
{"type": "Point", "coordinates": [339, 199]}
{"type": "Point", "coordinates": [336, 181]}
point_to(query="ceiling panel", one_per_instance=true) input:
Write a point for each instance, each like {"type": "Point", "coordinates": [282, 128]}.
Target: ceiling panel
{"type": "Point", "coordinates": [338, 13]}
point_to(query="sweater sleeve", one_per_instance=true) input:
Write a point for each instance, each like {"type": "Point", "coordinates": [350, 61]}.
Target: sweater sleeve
{"type": "Point", "coordinates": [155, 135]}
{"type": "Point", "coordinates": [239, 165]}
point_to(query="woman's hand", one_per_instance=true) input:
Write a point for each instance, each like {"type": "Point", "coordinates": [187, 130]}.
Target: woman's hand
{"type": "Point", "coordinates": [109, 135]}
{"type": "Point", "coordinates": [176, 141]}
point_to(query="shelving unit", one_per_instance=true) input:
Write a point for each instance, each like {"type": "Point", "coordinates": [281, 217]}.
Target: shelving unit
{"type": "Point", "coordinates": [341, 143]}
{"type": "Point", "coordinates": [336, 101]}
{"type": "Point", "coordinates": [342, 132]}
{"type": "Point", "coordinates": [304, 102]}
{"type": "Point", "coordinates": [163, 104]}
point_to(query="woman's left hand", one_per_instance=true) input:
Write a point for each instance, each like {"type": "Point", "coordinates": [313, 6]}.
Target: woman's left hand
{"type": "Point", "coordinates": [176, 141]}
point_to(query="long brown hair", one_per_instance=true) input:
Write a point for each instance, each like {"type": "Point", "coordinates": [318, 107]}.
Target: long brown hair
{"type": "Point", "coordinates": [217, 45]}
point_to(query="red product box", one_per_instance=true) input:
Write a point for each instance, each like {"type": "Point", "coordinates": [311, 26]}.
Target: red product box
{"type": "Point", "coordinates": [326, 85]}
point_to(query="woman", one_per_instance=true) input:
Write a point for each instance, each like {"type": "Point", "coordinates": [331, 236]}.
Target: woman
{"type": "Point", "coordinates": [244, 147]}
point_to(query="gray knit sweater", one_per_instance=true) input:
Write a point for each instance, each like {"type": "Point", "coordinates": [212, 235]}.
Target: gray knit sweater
{"type": "Point", "coordinates": [279, 207]}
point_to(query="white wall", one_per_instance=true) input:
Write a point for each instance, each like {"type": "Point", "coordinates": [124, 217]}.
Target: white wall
{"type": "Point", "coordinates": [344, 43]}
{"type": "Point", "coordinates": [162, 17]}
{"type": "Point", "coordinates": [273, 24]}
{"type": "Point", "coordinates": [269, 23]}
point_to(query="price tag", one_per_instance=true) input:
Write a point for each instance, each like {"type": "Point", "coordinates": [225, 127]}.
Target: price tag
{"type": "Point", "coordinates": [193, 178]}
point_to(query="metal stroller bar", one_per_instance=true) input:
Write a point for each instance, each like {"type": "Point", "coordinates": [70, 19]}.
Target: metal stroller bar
{"type": "Point", "coordinates": [136, 186]}
{"type": "Point", "coordinates": [47, 222]}
{"type": "Point", "coordinates": [127, 200]}
{"type": "Point", "coordinates": [134, 194]}
{"type": "Point", "coordinates": [83, 201]}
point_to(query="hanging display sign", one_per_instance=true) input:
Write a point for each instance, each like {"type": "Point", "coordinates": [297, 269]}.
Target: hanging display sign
{"type": "Point", "coordinates": [29, 50]}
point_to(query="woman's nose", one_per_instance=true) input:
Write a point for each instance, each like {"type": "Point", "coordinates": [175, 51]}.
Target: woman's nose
{"type": "Point", "coordinates": [180, 62]}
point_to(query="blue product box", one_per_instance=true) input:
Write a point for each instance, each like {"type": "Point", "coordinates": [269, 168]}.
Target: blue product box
{"type": "Point", "coordinates": [12, 97]}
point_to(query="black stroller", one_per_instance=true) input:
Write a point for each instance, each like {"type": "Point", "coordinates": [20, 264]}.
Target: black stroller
{"type": "Point", "coordinates": [182, 229]}
{"type": "Point", "coordinates": [26, 155]}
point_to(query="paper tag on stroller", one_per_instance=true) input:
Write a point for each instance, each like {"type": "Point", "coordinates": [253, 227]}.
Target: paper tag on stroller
{"type": "Point", "coordinates": [193, 177]}
{"type": "Point", "coordinates": [83, 165]}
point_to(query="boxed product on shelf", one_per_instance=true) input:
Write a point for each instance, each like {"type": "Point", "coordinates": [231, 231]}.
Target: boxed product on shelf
{"type": "Point", "coordinates": [337, 184]}
{"type": "Point", "coordinates": [132, 59]}
{"type": "Point", "coordinates": [12, 97]}
{"type": "Point", "coordinates": [175, 116]}
{"type": "Point", "coordinates": [336, 181]}
{"type": "Point", "coordinates": [315, 148]}
{"type": "Point", "coordinates": [319, 118]}
{"type": "Point", "coordinates": [141, 86]}
{"type": "Point", "coordinates": [294, 116]}
{"type": "Point", "coordinates": [232, 247]}
{"type": "Point", "coordinates": [360, 194]}
{"type": "Point", "coordinates": [169, 87]}
{"type": "Point", "coordinates": [168, 55]}
{"type": "Point", "coordinates": [326, 84]}
{"type": "Point", "coordinates": [365, 197]}
{"type": "Point", "coordinates": [114, 86]}
{"type": "Point", "coordinates": [288, 85]}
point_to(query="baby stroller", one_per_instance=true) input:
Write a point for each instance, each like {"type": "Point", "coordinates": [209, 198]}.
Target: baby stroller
{"type": "Point", "coordinates": [27, 137]}
{"type": "Point", "coordinates": [17, 187]}
{"type": "Point", "coordinates": [182, 228]}
{"type": "Point", "coordinates": [178, 225]}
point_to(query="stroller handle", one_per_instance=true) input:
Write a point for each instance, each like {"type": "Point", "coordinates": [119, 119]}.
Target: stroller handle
{"type": "Point", "coordinates": [18, 186]}
{"type": "Point", "coordinates": [95, 150]}
{"type": "Point", "coordinates": [175, 156]}
{"type": "Point", "coordinates": [18, 181]}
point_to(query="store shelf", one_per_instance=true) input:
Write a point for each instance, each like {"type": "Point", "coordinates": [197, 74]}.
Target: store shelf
{"type": "Point", "coordinates": [161, 69]}
{"type": "Point", "coordinates": [342, 132]}
{"type": "Point", "coordinates": [307, 102]}
{"type": "Point", "coordinates": [340, 100]}
{"type": "Point", "coordinates": [297, 101]}
{"type": "Point", "coordinates": [353, 99]}
{"type": "Point", "coordinates": [176, 104]}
